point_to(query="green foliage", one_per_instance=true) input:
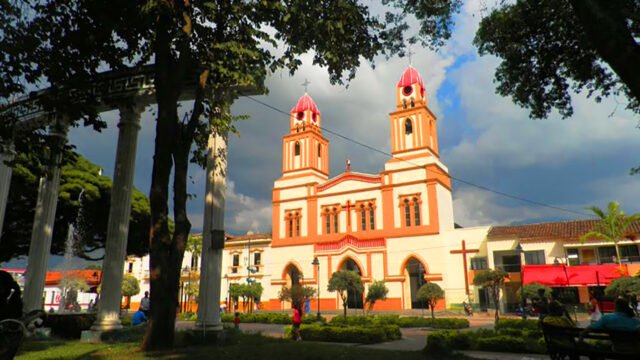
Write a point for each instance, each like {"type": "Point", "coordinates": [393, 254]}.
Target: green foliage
{"type": "Point", "coordinates": [627, 287]}
{"type": "Point", "coordinates": [75, 283]}
{"type": "Point", "coordinates": [518, 324]}
{"type": "Point", "coordinates": [352, 334]}
{"type": "Point", "coordinates": [130, 285]}
{"type": "Point", "coordinates": [344, 282]}
{"type": "Point", "coordinates": [270, 318]}
{"type": "Point", "coordinates": [77, 175]}
{"type": "Point", "coordinates": [551, 50]}
{"type": "Point", "coordinates": [194, 244]}
{"type": "Point", "coordinates": [248, 292]}
{"type": "Point", "coordinates": [430, 293]}
{"type": "Point", "coordinates": [492, 279]}
{"type": "Point", "coordinates": [296, 294]}
{"type": "Point", "coordinates": [531, 291]}
{"type": "Point", "coordinates": [521, 338]}
{"type": "Point", "coordinates": [403, 322]}
{"type": "Point", "coordinates": [377, 291]}
{"type": "Point", "coordinates": [613, 226]}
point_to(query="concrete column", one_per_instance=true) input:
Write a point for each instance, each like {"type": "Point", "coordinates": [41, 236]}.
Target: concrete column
{"type": "Point", "coordinates": [44, 218]}
{"type": "Point", "coordinates": [119, 215]}
{"type": "Point", "coordinates": [6, 155]}
{"type": "Point", "coordinates": [213, 234]}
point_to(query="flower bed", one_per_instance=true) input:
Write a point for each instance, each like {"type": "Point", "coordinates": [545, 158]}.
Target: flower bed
{"type": "Point", "coordinates": [348, 334]}
{"type": "Point", "coordinates": [403, 322]}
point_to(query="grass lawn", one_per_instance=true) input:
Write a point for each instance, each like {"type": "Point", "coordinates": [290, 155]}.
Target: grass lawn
{"type": "Point", "coordinates": [246, 347]}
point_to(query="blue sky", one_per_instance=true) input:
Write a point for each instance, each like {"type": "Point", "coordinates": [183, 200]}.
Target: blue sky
{"type": "Point", "coordinates": [484, 139]}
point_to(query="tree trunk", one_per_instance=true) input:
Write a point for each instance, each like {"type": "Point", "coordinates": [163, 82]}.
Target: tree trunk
{"type": "Point", "coordinates": [618, 256]}
{"type": "Point", "coordinates": [604, 24]}
{"type": "Point", "coordinates": [344, 307]}
{"type": "Point", "coordinates": [496, 297]}
{"type": "Point", "coordinates": [164, 294]}
{"type": "Point", "coordinates": [433, 316]}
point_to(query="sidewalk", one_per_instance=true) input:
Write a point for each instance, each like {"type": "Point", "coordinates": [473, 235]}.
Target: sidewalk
{"type": "Point", "coordinates": [503, 356]}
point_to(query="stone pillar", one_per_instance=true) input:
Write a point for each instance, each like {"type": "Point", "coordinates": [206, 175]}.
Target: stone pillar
{"type": "Point", "coordinates": [44, 218]}
{"type": "Point", "coordinates": [6, 155]}
{"type": "Point", "coordinates": [119, 216]}
{"type": "Point", "coordinates": [213, 234]}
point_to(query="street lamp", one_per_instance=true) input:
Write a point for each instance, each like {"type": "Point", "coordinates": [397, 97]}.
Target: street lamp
{"type": "Point", "coordinates": [316, 263]}
{"type": "Point", "coordinates": [520, 251]}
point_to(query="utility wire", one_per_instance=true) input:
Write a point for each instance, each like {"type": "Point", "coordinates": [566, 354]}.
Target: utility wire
{"type": "Point", "coordinates": [481, 187]}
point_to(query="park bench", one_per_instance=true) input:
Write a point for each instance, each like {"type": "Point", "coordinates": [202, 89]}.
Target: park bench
{"type": "Point", "coordinates": [563, 343]}
{"type": "Point", "coordinates": [13, 331]}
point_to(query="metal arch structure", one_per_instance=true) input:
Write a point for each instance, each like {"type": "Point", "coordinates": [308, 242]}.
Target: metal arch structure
{"type": "Point", "coordinates": [128, 91]}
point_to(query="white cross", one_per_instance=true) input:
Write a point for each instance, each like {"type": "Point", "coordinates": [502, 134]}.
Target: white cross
{"type": "Point", "coordinates": [409, 53]}
{"type": "Point", "coordinates": [306, 84]}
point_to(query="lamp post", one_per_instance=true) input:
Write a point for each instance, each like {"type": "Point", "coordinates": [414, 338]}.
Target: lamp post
{"type": "Point", "coordinates": [520, 251]}
{"type": "Point", "coordinates": [316, 263]}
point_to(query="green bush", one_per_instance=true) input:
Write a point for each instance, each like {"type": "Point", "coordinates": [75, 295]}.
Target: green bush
{"type": "Point", "coordinates": [403, 322]}
{"type": "Point", "coordinates": [502, 343]}
{"type": "Point", "coordinates": [517, 324]}
{"type": "Point", "coordinates": [69, 326]}
{"type": "Point", "coordinates": [505, 340]}
{"type": "Point", "coordinates": [185, 316]}
{"type": "Point", "coordinates": [348, 334]}
{"type": "Point", "coordinates": [270, 318]}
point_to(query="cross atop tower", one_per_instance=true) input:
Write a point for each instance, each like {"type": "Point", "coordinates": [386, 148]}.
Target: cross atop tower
{"type": "Point", "coordinates": [409, 54]}
{"type": "Point", "coordinates": [306, 84]}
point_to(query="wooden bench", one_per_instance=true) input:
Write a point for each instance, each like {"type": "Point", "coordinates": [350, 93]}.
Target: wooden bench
{"type": "Point", "coordinates": [13, 331]}
{"type": "Point", "coordinates": [563, 343]}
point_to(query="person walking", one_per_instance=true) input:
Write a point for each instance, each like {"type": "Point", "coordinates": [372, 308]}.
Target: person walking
{"type": "Point", "coordinates": [236, 321]}
{"type": "Point", "coordinates": [297, 320]}
{"type": "Point", "coordinates": [145, 304]}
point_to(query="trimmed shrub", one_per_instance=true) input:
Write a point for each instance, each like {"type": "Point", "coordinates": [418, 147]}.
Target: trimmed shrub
{"type": "Point", "coordinates": [351, 334]}
{"type": "Point", "coordinates": [503, 340]}
{"type": "Point", "coordinates": [270, 318]}
{"type": "Point", "coordinates": [502, 343]}
{"type": "Point", "coordinates": [403, 322]}
{"type": "Point", "coordinates": [517, 324]}
{"type": "Point", "coordinates": [69, 326]}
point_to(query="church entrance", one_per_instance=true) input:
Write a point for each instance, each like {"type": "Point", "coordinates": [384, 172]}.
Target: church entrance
{"type": "Point", "coordinates": [414, 279]}
{"type": "Point", "coordinates": [293, 277]}
{"type": "Point", "coordinates": [355, 299]}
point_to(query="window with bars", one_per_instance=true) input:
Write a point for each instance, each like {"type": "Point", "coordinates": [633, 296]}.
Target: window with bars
{"type": "Point", "coordinates": [290, 227]}
{"type": "Point", "coordinates": [257, 258]}
{"type": "Point", "coordinates": [327, 219]}
{"type": "Point", "coordinates": [335, 221]}
{"type": "Point", "coordinates": [236, 262]}
{"type": "Point", "coordinates": [363, 218]}
{"type": "Point", "coordinates": [416, 210]}
{"type": "Point", "coordinates": [372, 217]}
{"type": "Point", "coordinates": [297, 226]}
{"type": "Point", "coordinates": [479, 263]}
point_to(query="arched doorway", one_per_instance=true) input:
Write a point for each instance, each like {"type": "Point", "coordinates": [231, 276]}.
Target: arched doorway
{"type": "Point", "coordinates": [414, 272]}
{"type": "Point", "coordinates": [355, 299]}
{"type": "Point", "coordinates": [293, 277]}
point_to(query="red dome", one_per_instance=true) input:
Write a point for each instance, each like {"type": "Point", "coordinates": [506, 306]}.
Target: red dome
{"type": "Point", "coordinates": [305, 103]}
{"type": "Point", "coordinates": [410, 77]}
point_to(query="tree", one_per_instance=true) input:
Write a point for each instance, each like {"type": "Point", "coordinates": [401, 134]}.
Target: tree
{"type": "Point", "coordinates": [612, 227]}
{"type": "Point", "coordinates": [377, 291]}
{"type": "Point", "coordinates": [551, 48]}
{"type": "Point", "coordinates": [627, 287]}
{"type": "Point", "coordinates": [88, 213]}
{"type": "Point", "coordinates": [430, 293]}
{"type": "Point", "coordinates": [130, 287]}
{"type": "Point", "coordinates": [345, 281]}
{"type": "Point", "coordinates": [531, 291]}
{"type": "Point", "coordinates": [492, 279]}
{"type": "Point", "coordinates": [297, 295]}
{"type": "Point", "coordinates": [69, 286]}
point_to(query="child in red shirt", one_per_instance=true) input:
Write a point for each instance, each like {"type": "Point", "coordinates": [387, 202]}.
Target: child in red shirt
{"type": "Point", "coordinates": [297, 320]}
{"type": "Point", "coordinates": [236, 321]}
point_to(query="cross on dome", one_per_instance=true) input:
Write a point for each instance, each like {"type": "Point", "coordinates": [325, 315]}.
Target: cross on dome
{"type": "Point", "coordinates": [306, 84]}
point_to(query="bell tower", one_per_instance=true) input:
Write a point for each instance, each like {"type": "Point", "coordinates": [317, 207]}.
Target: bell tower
{"type": "Point", "coordinates": [413, 125]}
{"type": "Point", "coordinates": [305, 150]}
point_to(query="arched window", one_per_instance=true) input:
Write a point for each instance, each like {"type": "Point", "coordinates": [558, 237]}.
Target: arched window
{"type": "Point", "coordinates": [407, 213]}
{"type": "Point", "coordinates": [327, 221]}
{"type": "Point", "coordinates": [290, 227]}
{"type": "Point", "coordinates": [297, 225]}
{"type": "Point", "coordinates": [372, 221]}
{"type": "Point", "coordinates": [408, 127]}
{"type": "Point", "coordinates": [319, 150]}
{"type": "Point", "coordinates": [363, 218]}
{"type": "Point", "coordinates": [335, 220]}
{"type": "Point", "coordinates": [416, 211]}
{"type": "Point", "coordinates": [296, 149]}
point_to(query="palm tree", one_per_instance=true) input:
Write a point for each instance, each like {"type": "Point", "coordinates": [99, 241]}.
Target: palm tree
{"type": "Point", "coordinates": [613, 226]}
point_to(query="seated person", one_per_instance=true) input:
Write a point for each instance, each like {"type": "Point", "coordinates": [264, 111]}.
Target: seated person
{"type": "Point", "coordinates": [138, 318]}
{"type": "Point", "coordinates": [620, 320]}
{"type": "Point", "coordinates": [558, 316]}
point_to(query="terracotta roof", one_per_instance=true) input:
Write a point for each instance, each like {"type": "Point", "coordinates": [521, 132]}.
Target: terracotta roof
{"type": "Point", "coordinates": [92, 277]}
{"type": "Point", "coordinates": [247, 237]}
{"type": "Point", "coordinates": [549, 230]}
{"type": "Point", "coordinates": [305, 103]}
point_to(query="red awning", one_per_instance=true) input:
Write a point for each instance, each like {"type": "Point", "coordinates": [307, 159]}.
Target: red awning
{"type": "Point", "coordinates": [578, 275]}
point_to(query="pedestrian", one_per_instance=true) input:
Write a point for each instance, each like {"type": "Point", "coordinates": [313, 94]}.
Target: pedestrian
{"type": "Point", "coordinates": [620, 320]}
{"type": "Point", "coordinates": [139, 318]}
{"type": "Point", "coordinates": [297, 320]}
{"type": "Point", "coordinates": [236, 321]}
{"type": "Point", "coordinates": [543, 303]}
{"type": "Point", "coordinates": [145, 304]}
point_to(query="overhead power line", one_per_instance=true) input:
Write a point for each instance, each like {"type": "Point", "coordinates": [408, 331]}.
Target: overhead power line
{"type": "Point", "coordinates": [386, 153]}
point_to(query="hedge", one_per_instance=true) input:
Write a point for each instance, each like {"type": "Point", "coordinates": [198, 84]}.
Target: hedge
{"type": "Point", "coordinates": [517, 324]}
{"type": "Point", "coordinates": [403, 322]}
{"type": "Point", "coordinates": [69, 326]}
{"type": "Point", "coordinates": [270, 318]}
{"type": "Point", "coordinates": [350, 334]}
{"type": "Point", "coordinates": [502, 340]}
